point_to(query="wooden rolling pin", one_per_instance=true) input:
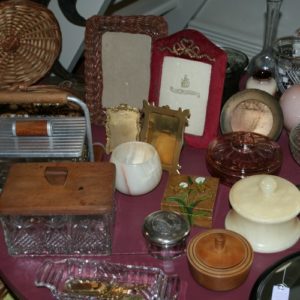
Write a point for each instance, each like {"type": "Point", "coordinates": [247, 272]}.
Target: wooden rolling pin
{"type": "Point", "coordinates": [31, 128]}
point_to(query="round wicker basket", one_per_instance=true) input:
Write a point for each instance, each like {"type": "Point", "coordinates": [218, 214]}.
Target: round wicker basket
{"type": "Point", "coordinates": [30, 42]}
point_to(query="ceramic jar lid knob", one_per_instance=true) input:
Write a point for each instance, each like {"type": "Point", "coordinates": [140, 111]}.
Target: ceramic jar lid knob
{"type": "Point", "coordinates": [268, 185]}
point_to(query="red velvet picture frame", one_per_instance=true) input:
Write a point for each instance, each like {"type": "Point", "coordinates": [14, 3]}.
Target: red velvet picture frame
{"type": "Point", "coordinates": [192, 45]}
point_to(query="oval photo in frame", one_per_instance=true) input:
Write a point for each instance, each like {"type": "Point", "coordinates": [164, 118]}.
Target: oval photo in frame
{"type": "Point", "coordinates": [252, 110]}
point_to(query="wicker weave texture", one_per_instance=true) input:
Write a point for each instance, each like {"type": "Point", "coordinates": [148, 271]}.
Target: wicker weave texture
{"type": "Point", "coordinates": [154, 26]}
{"type": "Point", "coordinates": [3, 290]}
{"type": "Point", "coordinates": [30, 42]}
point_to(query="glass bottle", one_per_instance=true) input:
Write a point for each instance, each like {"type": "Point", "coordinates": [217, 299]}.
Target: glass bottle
{"type": "Point", "coordinates": [264, 61]}
{"type": "Point", "coordinates": [262, 80]}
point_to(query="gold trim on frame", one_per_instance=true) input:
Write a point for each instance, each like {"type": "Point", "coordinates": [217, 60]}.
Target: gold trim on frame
{"type": "Point", "coordinates": [164, 128]}
{"type": "Point", "coordinates": [122, 125]}
{"type": "Point", "coordinates": [187, 47]}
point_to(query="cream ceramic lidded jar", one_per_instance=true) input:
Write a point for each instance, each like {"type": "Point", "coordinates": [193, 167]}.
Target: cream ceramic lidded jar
{"type": "Point", "coordinates": [264, 211]}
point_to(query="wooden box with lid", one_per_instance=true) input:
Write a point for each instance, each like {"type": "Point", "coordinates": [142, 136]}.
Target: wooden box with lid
{"type": "Point", "coordinates": [59, 208]}
{"type": "Point", "coordinates": [191, 196]}
{"type": "Point", "coordinates": [219, 259]}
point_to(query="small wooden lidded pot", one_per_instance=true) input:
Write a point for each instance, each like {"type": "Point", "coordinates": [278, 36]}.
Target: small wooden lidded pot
{"type": "Point", "coordinates": [219, 259]}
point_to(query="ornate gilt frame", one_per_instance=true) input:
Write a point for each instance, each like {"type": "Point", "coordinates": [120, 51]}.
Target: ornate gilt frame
{"type": "Point", "coordinates": [122, 125]}
{"type": "Point", "coordinates": [164, 128]}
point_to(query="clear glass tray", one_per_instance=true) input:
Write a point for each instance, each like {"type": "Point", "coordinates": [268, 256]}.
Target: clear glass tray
{"type": "Point", "coordinates": [91, 279]}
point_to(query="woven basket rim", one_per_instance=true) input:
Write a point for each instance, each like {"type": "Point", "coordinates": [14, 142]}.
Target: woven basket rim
{"type": "Point", "coordinates": [30, 42]}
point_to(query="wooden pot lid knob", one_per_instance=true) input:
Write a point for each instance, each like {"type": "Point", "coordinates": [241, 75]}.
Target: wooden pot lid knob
{"type": "Point", "coordinates": [220, 249]}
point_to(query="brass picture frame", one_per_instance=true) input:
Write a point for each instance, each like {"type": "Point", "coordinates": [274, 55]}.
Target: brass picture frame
{"type": "Point", "coordinates": [122, 125]}
{"type": "Point", "coordinates": [164, 129]}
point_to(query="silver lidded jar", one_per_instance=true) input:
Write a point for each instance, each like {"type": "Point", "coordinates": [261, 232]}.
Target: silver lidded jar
{"type": "Point", "coordinates": [166, 233]}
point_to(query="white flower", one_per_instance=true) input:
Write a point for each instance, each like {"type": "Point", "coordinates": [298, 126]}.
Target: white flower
{"type": "Point", "coordinates": [200, 180]}
{"type": "Point", "coordinates": [183, 185]}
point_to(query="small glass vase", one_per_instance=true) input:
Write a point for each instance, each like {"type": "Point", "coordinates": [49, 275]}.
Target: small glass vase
{"type": "Point", "coordinates": [263, 63]}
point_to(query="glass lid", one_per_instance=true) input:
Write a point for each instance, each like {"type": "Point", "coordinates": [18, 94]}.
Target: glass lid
{"type": "Point", "coordinates": [236, 155]}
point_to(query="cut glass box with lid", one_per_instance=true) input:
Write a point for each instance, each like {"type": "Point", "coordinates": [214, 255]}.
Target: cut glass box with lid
{"type": "Point", "coordinates": [58, 208]}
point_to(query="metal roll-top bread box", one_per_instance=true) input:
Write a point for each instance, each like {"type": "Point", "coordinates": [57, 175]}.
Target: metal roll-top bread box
{"type": "Point", "coordinates": [43, 124]}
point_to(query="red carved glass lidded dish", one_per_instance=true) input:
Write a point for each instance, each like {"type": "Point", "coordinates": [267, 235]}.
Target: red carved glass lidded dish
{"type": "Point", "coordinates": [239, 154]}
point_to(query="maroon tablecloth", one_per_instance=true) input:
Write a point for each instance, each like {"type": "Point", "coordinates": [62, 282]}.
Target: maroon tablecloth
{"type": "Point", "coordinates": [129, 245]}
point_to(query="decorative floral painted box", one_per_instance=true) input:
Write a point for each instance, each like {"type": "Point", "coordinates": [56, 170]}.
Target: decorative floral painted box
{"type": "Point", "coordinates": [192, 196]}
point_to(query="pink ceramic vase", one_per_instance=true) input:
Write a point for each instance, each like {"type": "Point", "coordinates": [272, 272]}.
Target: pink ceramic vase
{"type": "Point", "coordinates": [290, 105]}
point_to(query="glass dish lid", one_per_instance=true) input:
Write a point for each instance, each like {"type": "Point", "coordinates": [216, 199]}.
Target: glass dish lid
{"type": "Point", "coordinates": [236, 155]}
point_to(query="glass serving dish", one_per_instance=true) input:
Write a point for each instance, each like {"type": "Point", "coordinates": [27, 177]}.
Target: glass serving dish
{"type": "Point", "coordinates": [236, 155]}
{"type": "Point", "coordinates": [91, 279]}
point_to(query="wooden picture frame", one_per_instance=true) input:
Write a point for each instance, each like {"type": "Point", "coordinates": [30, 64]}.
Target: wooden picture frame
{"type": "Point", "coordinates": [122, 125]}
{"type": "Point", "coordinates": [188, 72]}
{"type": "Point", "coordinates": [117, 65]}
{"type": "Point", "coordinates": [164, 128]}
